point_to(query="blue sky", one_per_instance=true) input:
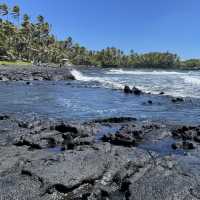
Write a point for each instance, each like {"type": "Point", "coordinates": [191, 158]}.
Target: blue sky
{"type": "Point", "coordinates": [141, 25]}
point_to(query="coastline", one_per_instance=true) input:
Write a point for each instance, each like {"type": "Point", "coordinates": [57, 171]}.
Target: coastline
{"type": "Point", "coordinates": [113, 158]}
{"type": "Point", "coordinates": [31, 73]}
{"type": "Point", "coordinates": [87, 120]}
{"type": "Point", "coordinates": [106, 158]}
{"type": "Point", "coordinates": [21, 65]}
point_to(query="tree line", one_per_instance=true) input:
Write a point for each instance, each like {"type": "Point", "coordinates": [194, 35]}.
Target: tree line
{"type": "Point", "coordinates": [23, 39]}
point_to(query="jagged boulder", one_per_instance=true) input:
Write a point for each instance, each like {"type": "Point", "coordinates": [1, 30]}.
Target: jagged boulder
{"type": "Point", "coordinates": [127, 89]}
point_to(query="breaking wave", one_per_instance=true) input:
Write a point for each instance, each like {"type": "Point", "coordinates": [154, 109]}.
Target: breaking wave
{"type": "Point", "coordinates": [154, 87]}
{"type": "Point", "coordinates": [137, 72]}
{"type": "Point", "coordinates": [192, 80]}
{"type": "Point", "coordinates": [103, 81]}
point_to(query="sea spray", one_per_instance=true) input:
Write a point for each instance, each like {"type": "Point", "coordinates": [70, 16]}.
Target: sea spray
{"type": "Point", "coordinates": [105, 82]}
{"type": "Point", "coordinates": [191, 80]}
{"type": "Point", "coordinates": [174, 83]}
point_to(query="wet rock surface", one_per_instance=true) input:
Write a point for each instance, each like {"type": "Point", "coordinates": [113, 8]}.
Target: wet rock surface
{"type": "Point", "coordinates": [177, 99]}
{"type": "Point", "coordinates": [36, 73]}
{"type": "Point", "coordinates": [116, 158]}
{"type": "Point", "coordinates": [134, 90]}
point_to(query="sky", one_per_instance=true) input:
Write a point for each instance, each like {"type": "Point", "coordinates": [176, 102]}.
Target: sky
{"type": "Point", "coordinates": [141, 25]}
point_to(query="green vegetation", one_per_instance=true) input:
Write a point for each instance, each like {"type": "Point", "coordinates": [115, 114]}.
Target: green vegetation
{"type": "Point", "coordinates": [192, 63]}
{"type": "Point", "coordinates": [15, 63]}
{"type": "Point", "coordinates": [22, 39]}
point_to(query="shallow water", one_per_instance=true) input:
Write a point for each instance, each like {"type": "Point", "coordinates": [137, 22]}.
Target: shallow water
{"type": "Point", "coordinates": [92, 96]}
{"type": "Point", "coordinates": [163, 147]}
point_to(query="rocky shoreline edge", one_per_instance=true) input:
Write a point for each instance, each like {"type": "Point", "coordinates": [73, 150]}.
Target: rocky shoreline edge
{"type": "Point", "coordinates": [32, 73]}
{"type": "Point", "coordinates": [56, 73]}
{"type": "Point", "coordinates": [115, 158]}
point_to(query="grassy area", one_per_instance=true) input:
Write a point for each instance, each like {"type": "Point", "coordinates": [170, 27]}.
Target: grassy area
{"type": "Point", "coordinates": [14, 63]}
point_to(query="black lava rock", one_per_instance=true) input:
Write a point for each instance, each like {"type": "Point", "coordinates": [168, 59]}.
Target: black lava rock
{"type": "Point", "coordinates": [127, 89]}
{"type": "Point", "coordinates": [136, 91]}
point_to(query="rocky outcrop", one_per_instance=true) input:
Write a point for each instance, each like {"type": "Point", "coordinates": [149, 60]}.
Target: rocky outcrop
{"type": "Point", "coordinates": [48, 159]}
{"type": "Point", "coordinates": [115, 120]}
{"type": "Point", "coordinates": [36, 73]}
{"type": "Point", "coordinates": [177, 99]}
{"type": "Point", "coordinates": [127, 89]}
{"type": "Point", "coordinates": [134, 90]}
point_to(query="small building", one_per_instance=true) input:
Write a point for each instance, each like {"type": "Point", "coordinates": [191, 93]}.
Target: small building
{"type": "Point", "coordinates": [65, 61]}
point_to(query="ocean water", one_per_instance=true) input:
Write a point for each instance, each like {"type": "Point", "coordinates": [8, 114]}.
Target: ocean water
{"type": "Point", "coordinates": [98, 93]}
{"type": "Point", "coordinates": [175, 83]}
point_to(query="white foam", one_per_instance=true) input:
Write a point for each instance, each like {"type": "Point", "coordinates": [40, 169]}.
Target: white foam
{"type": "Point", "coordinates": [139, 72]}
{"type": "Point", "coordinates": [192, 80]}
{"type": "Point", "coordinates": [105, 82]}
{"type": "Point", "coordinates": [79, 76]}
{"type": "Point", "coordinates": [115, 83]}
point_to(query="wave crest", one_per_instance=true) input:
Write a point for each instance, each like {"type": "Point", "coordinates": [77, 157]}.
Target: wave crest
{"type": "Point", "coordinates": [192, 80]}
{"type": "Point", "coordinates": [103, 81]}
{"type": "Point", "coordinates": [137, 72]}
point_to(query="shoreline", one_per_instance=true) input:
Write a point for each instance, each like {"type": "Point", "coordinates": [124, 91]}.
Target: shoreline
{"type": "Point", "coordinates": [99, 123]}
{"type": "Point", "coordinates": [32, 73]}
{"type": "Point", "coordinates": [56, 65]}
{"type": "Point", "coordinates": [113, 158]}
{"type": "Point", "coordinates": [107, 158]}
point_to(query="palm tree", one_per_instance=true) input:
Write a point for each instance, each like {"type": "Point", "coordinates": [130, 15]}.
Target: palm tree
{"type": "Point", "coordinates": [26, 18]}
{"type": "Point", "coordinates": [16, 13]}
{"type": "Point", "coordinates": [68, 43]}
{"type": "Point", "coordinates": [26, 36]}
{"type": "Point", "coordinates": [40, 19]}
{"type": "Point", "coordinates": [3, 9]}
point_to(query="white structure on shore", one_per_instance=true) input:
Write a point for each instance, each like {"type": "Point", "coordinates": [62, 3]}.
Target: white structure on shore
{"type": "Point", "coordinates": [65, 61]}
